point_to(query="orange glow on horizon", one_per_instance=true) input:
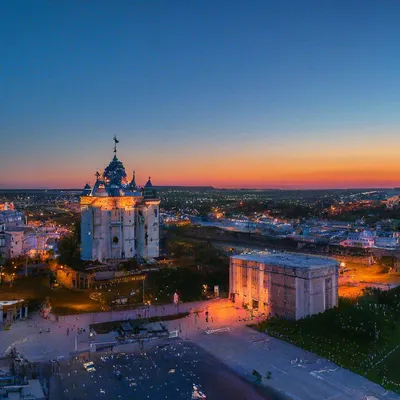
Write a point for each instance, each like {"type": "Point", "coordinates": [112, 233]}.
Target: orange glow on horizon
{"type": "Point", "coordinates": [361, 159]}
{"type": "Point", "coordinates": [267, 177]}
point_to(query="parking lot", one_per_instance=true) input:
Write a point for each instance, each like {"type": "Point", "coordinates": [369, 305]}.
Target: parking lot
{"type": "Point", "coordinates": [167, 371]}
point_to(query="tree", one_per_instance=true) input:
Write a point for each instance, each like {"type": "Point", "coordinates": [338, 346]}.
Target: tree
{"type": "Point", "coordinates": [130, 264]}
{"type": "Point", "coordinates": [69, 248]}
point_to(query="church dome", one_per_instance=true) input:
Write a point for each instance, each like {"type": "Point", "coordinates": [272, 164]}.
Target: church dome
{"type": "Point", "coordinates": [113, 181]}
{"type": "Point", "coordinates": [115, 173]}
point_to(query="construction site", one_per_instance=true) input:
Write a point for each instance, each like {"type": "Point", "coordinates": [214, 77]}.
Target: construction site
{"type": "Point", "coordinates": [22, 379]}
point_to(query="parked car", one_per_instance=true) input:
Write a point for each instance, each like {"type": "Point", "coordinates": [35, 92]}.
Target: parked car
{"type": "Point", "coordinates": [89, 366]}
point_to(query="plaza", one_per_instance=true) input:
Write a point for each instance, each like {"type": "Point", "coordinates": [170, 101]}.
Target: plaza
{"type": "Point", "coordinates": [172, 370]}
{"type": "Point", "coordinates": [296, 374]}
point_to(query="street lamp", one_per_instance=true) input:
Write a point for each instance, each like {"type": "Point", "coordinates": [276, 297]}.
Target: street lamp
{"type": "Point", "coordinates": [12, 279]}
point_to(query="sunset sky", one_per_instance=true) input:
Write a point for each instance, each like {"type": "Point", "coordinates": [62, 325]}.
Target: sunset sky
{"type": "Point", "coordinates": [274, 94]}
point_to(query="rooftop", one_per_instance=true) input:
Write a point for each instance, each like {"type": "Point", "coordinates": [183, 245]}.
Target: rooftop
{"type": "Point", "coordinates": [16, 229]}
{"type": "Point", "coordinates": [292, 260]}
{"type": "Point", "coordinates": [10, 302]}
{"type": "Point", "coordinates": [113, 182]}
{"type": "Point", "coordinates": [33, 390]}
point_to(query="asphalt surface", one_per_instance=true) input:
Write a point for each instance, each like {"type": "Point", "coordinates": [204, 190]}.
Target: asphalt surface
{"type": "Point", "coordinates": [295, 373]}
{"type": "Point", "coordinates": [298, 374]}
{"type": "Point", "coordinates": [167, 371]}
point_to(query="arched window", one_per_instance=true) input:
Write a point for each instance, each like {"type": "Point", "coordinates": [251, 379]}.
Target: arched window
{"type": "Point", "coordinates": [115, 240]}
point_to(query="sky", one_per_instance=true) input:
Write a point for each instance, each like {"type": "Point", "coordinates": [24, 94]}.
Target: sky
{"type": "Point", "coordinates": [260, 94]}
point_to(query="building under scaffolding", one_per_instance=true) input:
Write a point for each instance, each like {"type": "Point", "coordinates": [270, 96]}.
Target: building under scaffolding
{"type": "Point", "coordinates": [18, 378]}
{"type": "Point", "coordinates": [284, 284]}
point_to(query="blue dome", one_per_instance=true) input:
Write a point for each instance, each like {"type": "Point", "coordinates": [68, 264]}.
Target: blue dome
{"type": "Point", "coordinates": [115, 173]}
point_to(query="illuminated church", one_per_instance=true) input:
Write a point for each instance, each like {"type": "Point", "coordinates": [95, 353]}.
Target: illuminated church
{"type": "Point", "coordinates": [119, 220]}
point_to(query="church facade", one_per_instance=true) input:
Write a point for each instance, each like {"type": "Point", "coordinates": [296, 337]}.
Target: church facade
{"type": "Point", "coordinates": [119, 220]}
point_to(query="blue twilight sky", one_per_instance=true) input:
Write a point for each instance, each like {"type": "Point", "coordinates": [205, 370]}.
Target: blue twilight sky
{"type": "Point", "coordinates": [229, 93]}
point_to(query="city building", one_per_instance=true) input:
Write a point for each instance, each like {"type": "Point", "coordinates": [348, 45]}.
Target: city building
{"type": "Point", "coordinates": [118, 219]}
{"type": "Point", "coordinates": [3, 244]}
{"type": "Point", "coordinates": [364, 239]}
{"type": "Point", "coordinates": [72, 278]}
{"type": "Point", "coordinates": [284, 284]}
{"type": "Point", "coordinates": [393, 201]}
{"type": "Point", "coordinates": [12, 310]}
{"type": "Point", "coordinates": [386, 241]}
{"type": "Point", "coordinates": [10, 218]}
{"type": "Point", "coordinates": [16, 241]}
{"type": "Point", "coordinates": [6, 206]}
{"type": "Point", "coordinates": [32, 390]}
{"type": "Point", "coordinates": [11, 242]}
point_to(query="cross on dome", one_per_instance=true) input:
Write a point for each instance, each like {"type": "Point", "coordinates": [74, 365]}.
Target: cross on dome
{"type": "Point", "coordinates": [115, 143]}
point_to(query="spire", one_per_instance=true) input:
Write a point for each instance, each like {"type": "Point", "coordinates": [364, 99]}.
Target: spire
{"type": "Point", "coordinates": [87, 190]}
{"type": "Point", "coordinates": [132, 185]}
{"type": "Point", "coordinates": [148, 190]}
{"type": "Point", "coordinates": [115, 144]}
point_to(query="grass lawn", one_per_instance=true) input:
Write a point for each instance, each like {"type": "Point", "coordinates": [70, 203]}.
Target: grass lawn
{"type": "Point", "coordinates": [362, 336]}
{"type": "Point", "coordinates": [133, 291]}
{"type": "Point", "coordinates": [37, 288]}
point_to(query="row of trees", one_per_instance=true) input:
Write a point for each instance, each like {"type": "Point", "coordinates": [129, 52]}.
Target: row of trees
{"type": "Point", "coordinates": [202, 253]}
{"type": "Point", "coordinates": [189, 283]}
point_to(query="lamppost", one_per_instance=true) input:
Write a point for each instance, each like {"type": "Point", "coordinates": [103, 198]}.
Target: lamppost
{"type": "Point", "coordinates": [143, 293]}
{"type": "Point", "coordinates": [1, 268]}
{"type": "Point", "coordinates": [176, 301]}
{"type": "Point", "coordinates": [12, 279]}
{"type": "Point", "coordinates": [26, 255]}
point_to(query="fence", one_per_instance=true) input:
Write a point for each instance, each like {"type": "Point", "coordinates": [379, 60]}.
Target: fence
{"type": "Point", "coordinates": [82, 320]}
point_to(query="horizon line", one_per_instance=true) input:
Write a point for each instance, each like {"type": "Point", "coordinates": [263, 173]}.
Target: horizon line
{"type": "Point", "coordinates": [224, 188]}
